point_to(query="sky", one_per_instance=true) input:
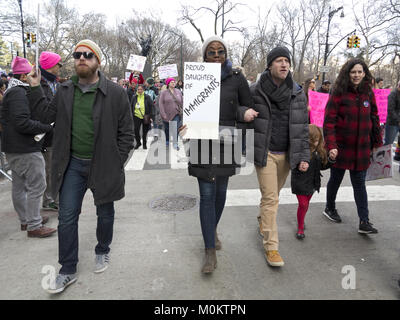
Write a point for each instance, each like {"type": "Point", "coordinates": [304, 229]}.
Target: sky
{"type": "Point", "coordinates": [120, 10]}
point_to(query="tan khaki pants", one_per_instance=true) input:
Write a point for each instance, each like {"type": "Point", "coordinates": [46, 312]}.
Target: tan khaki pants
{"type": "Point", "coordinates": [271, 180]}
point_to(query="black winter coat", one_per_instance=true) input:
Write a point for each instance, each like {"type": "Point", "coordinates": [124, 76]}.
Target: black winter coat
{"type": "Point", "coordinates": [235, 99]}
{"type": "Point", "coordinates": [299, 149]}
{"type": "Point", "coordinates": [48, 139]}
{"type": "Point", "coordinates": [113, 136]}
{"type": "Point", "coordinates": [305, 183]}
{"type": "Point", "coordinates": [393, 111]}
{"type": "Point", "coordinates": [19, 125]}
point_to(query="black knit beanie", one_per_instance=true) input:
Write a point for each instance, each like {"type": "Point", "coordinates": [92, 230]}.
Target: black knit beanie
{"type": "Point", "coordinates": [276, 53]}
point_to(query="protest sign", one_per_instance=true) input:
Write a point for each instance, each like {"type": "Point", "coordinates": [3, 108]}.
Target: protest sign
{"type": "Point", "coordinates": [136, 63]}
{"type": "Point", "coordinates": [381, 164]}
{"type": "Point", "coordinates": [317, 102]}
{"type": "Point", "coordinates": [168, 71]}
{"type": "Point", "coordinates": [381, 97]}
{"type": "Point", "coordinates": [202, 100]}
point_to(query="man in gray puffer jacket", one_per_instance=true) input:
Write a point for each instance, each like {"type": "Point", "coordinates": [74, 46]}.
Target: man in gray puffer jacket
{"type": "Point", "coordinates": [281, 141]}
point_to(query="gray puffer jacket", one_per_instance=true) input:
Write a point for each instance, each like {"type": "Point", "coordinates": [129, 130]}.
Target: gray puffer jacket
{"type": "Point", "coordinates": [299, 149]}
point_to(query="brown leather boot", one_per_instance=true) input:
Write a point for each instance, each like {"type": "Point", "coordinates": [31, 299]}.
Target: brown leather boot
{"type": "Point", "coordinates": [210, 261]}
{"type": "Point", "coordinates": [218, 244]}
{"type": "Point", "coordinates": [45, 219]}
{"type": "Point", "coordinates": [42, 232]}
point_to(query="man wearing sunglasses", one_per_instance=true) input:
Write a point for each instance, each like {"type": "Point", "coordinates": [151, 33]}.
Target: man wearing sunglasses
{"type": "Point", "coordinates": [93, 136]}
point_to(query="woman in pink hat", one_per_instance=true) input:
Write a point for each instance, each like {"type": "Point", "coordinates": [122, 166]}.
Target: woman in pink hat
{"type": "Point", "coordinates": [171, 106]}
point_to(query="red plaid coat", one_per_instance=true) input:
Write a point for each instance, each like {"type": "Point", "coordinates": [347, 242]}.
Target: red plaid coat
{"type": "Point", "coordinates": [348, 127]}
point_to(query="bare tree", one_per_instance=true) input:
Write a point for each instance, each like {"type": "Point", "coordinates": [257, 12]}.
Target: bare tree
{"type": "Point", "coordinates": [219, 10]}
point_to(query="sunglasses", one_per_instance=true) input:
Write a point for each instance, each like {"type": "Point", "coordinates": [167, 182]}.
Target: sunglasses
{"type": "Point", "coordinates": [87, 55]}
{"type": "Point", "coordinates": [216, 53]}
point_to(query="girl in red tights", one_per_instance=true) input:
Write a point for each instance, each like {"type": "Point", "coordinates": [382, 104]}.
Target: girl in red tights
{"type": "Point", "coordinates": [304, 184]}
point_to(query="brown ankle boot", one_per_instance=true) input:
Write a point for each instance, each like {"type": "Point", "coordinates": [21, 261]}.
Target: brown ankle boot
{"type": "Point", "coordinates": [210, 261]}
{"type": "Point", "coordinates": [218, 244]}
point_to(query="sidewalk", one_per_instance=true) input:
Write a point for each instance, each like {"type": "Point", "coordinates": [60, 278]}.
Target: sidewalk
{"type": "Point", "coordinates": [158, 256]}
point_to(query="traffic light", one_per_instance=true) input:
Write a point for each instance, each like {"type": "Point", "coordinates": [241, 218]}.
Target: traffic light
{"type": "Point", "coordinates": [350, 42]}
{"type": "Point", "coordinates": [356, 42]}
{"type": "Point", "coordinates": [33, 38]}
{"type": "Point", "coordinates": [28, 39]}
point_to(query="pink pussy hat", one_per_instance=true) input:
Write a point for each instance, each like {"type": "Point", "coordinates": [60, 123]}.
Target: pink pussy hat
{"type": "Point", "coordinates": [20, 66]}
{"type": "Point", "coordinates": [49, 59]}
{"type": "Point", "coordinates": [169, 80]}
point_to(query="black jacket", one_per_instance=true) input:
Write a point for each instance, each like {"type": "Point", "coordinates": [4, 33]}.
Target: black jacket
{"type": "Point", "coordinates": [113, 136]}
{"type": "Point", "coordinates": [299, 149]}
{"type": "Point", "coordinates": [305, 183]}
{"type": "Point", "coordinates": [19, 125]}
{"type": "Point", "coordinates": [393, 111]}
{"type": "Point", "coordinates": [148, 104]}
{"type": "Point", "coordinates": [48, 139]}
{"type": "Point", "coordinates": [235, 99]}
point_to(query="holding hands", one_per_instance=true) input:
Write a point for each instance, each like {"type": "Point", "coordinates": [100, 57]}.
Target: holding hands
{"type": "Point", "coordinates": [333, 154]}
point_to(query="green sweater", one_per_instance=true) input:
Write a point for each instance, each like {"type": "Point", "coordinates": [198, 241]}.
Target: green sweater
{"type": "Point", "coordinates": [82, 142]}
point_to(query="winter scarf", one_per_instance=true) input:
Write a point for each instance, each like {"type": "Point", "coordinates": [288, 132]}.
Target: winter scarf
{"type": "Point", "coordinates": [16, 83]}
{"type": "Point", "coordinates": [226, 69]}
{"type": "Point", "coordinates": [279, 96]}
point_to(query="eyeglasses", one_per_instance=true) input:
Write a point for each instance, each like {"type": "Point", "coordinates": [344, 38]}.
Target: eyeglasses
{"type": "Point", "coordinates": [216, 53]}
{"type": "Point", "coordinates": [87, 55]}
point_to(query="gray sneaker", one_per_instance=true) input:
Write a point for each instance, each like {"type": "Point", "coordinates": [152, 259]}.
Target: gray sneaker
{"type": "Point", "coordinates": [102, 261]}
{"type": "Point", "coordinates": [62, 281]}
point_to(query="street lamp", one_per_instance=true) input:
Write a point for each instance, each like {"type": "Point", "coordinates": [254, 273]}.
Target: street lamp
{"type": "Point", "coordinates": [181, 37]}
{"type": "Point", "coordinates": [331, 14]}
{"type": "Point", "coordinates": [22, 25]}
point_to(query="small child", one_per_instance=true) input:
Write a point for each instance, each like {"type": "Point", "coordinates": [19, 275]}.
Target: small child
{"type": "Point", "coordinates": [304, 184]}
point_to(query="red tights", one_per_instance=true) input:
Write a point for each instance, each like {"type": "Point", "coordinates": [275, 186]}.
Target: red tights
{"type": "Point", "coordinates": [304, 202]}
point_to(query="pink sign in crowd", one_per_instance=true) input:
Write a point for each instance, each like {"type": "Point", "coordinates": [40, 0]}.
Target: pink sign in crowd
{"type": "Point", "coordinates": [318, 102]}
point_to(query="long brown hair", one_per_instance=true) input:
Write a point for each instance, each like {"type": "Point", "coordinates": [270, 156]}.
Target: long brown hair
{"type": "Point", "coordinates": [316, 135]}
{"type": "Point", "coordinates": [342, 82]}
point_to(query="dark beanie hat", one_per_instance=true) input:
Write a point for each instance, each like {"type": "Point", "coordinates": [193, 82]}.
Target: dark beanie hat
{"type": "Point", "coordinates": [150, 81]}
{"type": "Point", "coordinates": [276, 53]}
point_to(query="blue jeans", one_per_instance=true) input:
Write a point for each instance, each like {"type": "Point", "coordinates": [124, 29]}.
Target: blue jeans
{"type": "Point", "coordinates": [390, 134]}
{"type": "Point", "coordinates": [72, 191]}
{"type": "Point", "coordinates": [359, 190]}
{"type": "Point", "coordinates": [178, 121]}
{"type": "Point", "coordinates": [212, 203]}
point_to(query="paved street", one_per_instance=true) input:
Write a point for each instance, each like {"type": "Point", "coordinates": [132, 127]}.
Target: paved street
{"type": "Point", "coordinates": [158, 255]}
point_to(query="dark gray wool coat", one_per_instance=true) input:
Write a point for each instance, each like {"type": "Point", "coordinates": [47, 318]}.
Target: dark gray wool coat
{"type": "Point", "coordinates": [113, 136]}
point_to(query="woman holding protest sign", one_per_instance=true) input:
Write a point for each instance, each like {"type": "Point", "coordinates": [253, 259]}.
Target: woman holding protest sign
{"type": "Point", "coordinates": [235, 106]}
{"type": "Point", "coordinates": [351, 131]}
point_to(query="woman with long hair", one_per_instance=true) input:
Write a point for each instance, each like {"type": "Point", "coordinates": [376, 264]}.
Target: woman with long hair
{"type": "Point", "coordinates": [351, 131]}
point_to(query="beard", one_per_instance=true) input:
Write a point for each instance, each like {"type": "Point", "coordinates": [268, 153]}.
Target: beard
{"type": "Point", "coordinates": [85, 71]}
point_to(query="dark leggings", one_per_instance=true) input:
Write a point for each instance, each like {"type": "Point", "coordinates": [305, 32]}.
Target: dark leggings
{"type": "Point", "coordinates": [212, 203]}
{"type": "Point", "coordinates": [359, 190]}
